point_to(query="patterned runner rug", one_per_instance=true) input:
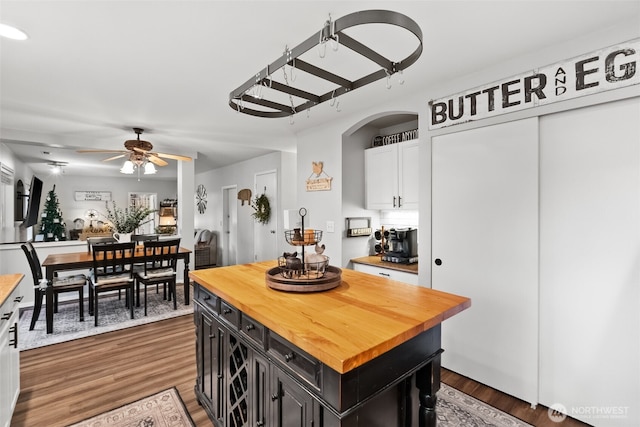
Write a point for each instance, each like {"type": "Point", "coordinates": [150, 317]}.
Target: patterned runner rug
{"type": "Point", "coordinates": [164, 409]}
{"type": "Point", "coordinates": [454, 409]}
{"type": "Point", "coordinates": [457, 409]}
{"type": "Point", "coordinates": [113, 315]}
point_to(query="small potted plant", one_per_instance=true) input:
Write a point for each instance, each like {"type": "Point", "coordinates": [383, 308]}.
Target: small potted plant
{"type": "Point", "coordinates": [126, 221]}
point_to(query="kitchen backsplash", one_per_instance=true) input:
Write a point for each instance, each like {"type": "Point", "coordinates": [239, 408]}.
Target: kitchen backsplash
{"type": "Point", "coordinates": [399, 219]}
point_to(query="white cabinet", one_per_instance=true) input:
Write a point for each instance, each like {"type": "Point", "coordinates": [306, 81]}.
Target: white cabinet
{"type": "Point", "coordinates": [485, 246]}
{"type": "Point", "coordinates": [9, 357]}
{"type": "Point", "coordinates": [543, 236]}
{"type": "Point", "coordinates": [590, 262]}
{"type": "Point", "coordinates": [391, 274]}
{"type": "Point", "coordinates": [391, 173]}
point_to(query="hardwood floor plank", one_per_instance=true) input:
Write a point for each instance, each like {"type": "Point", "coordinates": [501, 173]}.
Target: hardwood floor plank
{"type": "Point", "coordinates": [68, 382]}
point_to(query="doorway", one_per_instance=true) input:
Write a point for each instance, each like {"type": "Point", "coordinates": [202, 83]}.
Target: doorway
{"type": "Point", "coordinates": [265, 237]}
{"type": "Point", "coordinates": [229, 225]}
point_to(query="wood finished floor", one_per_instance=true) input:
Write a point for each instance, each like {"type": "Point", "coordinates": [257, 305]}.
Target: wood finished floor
{"type": "Point", "coordinates": [65, 383]}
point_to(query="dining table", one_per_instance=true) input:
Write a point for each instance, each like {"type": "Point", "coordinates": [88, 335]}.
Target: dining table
{"type": "Point", "coordinates": [54, 263]}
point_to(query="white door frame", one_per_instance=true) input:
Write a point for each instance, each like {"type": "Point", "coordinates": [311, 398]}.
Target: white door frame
{"type": "Point", "coordinates": [229, 226]}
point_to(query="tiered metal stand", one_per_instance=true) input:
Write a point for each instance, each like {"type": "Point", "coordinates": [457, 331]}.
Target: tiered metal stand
{"type": "Point", "coordinates": [294, 275]}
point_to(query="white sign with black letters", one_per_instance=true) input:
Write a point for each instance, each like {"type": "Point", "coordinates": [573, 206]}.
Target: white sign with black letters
{"type": "Point", "coordinates": [610, 68]}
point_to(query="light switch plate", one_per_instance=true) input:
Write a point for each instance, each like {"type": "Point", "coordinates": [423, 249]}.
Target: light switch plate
{"type": "Point", "coordinates": [331, 227]}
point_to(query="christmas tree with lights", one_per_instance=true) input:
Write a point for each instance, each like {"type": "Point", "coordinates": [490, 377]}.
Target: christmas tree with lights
{"type": "Point", "coordinates": [52, 225]}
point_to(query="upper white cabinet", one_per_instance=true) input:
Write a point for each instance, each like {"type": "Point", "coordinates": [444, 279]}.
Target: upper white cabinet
{"type": "Point", "coordinates": [391, 173]}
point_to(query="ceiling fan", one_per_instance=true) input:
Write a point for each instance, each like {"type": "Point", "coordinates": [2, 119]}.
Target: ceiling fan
{"type": "Point", "coordinates": [139, 152]}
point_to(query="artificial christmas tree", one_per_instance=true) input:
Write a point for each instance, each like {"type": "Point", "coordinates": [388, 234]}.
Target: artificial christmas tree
{"type": "Point", "coordinates": [52, 225]}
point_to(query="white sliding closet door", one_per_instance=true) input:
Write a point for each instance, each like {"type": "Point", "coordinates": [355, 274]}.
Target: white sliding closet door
{"type": "Point", "coordinates": [590, 262]}
{"type": "Point", "coordinates": [485, 233]}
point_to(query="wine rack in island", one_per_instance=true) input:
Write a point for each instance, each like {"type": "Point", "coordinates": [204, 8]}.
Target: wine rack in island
{"type": "Point", "coordinates": [309, 272]}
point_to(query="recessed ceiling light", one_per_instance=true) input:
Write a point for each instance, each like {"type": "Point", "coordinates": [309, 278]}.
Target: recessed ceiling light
{"type": "Point", "coordinates": [12, 32]}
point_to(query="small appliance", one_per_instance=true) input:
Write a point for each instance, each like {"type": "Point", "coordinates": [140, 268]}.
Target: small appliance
{"type": "Point", "coordinates": [403, 246]}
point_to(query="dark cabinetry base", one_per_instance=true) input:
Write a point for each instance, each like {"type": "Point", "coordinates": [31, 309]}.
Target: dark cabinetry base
{"type": "Point", "coordinates": [250, 376]}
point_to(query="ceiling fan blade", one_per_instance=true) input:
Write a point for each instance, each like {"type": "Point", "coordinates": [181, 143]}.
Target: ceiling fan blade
{"type": "Point", "coordinates": [156, 160]}
{"type": "Point", "coordinates": [173, 156]}
{"type": "Point", "coordinates": [114, 157]}
{"type": "Point", "coordinates": [139, 150]}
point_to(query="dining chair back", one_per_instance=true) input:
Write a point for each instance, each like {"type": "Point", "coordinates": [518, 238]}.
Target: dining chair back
{"type": "Point", "coordinates": [141, 238]}
{"type": "Point", "coordinates": [72, 283]}
{"type": "Point", "coordinates": [97, 240]}
{"type": "Point", "coordinates": [159, 267]}
{"type": "Point", "coordinates": [112, 270]}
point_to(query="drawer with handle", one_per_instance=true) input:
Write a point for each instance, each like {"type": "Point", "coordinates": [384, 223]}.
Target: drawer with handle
{"type": "Point", "coordinates": [207, 299]}
{"type": "Point", "coordinates": [229, 313]}
{"type": "Point", "coordinates": [298, 362]}
{"type": "Point", "coordinates": [252, 329]}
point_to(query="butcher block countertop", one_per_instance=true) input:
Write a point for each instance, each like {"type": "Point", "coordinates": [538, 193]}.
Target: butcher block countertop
{"type": "Point", "coordinates": [344, 327]}
{"type": "Point", "coordinates": [376, 261]}
{"type": "Point", "coordinates": [8, 283]}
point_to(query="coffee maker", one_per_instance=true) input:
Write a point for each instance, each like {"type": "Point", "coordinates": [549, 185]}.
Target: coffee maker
{"type": "Point", "coordinates": [403, 246]}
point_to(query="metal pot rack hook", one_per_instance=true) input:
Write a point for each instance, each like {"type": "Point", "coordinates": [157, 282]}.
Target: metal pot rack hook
{"type": "Point", "coordinates": [322, 46]}
{"type": "Point", "coordinates": [388, 79]}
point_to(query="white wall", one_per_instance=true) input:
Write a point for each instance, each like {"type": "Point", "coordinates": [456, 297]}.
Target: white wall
{"type": "Point", "coordinates": [242, 176]}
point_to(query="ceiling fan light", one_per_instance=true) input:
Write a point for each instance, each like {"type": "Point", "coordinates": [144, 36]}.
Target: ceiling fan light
{"type": "Point", "coordinates": [149, 169]}
{"type": "Point", "coordinates": [127, 167]}
{"type": "Point", "coordinates": [12, 32]}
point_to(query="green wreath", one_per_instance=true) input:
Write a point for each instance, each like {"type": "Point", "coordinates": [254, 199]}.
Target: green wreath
{"type": "Point", "coordinates": [262, 209]}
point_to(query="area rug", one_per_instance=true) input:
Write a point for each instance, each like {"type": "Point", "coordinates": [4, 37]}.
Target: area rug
{"type": "Point", "coordinates": [113, 315]}
{"type": "Point", "coordinates": [164, 409]}
{"type": "Point", "coordinates": [457, 409]}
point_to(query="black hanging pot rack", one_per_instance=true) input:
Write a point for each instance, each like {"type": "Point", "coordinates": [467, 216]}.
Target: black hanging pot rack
{"type": "Point", "coordinates": [241, 100]}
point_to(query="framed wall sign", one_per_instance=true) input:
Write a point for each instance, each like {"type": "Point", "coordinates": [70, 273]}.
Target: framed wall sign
{"type": "Point", "coordinates": [92, 196]}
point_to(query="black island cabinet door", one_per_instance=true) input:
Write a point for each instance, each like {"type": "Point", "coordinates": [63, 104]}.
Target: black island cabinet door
{"type": "Point", "coordinates": [291, 406]}
{"type": "Point", "coordinates": [210, 384]}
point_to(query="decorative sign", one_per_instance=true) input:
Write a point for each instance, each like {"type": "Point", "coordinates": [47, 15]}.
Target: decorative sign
{"type": "Point", "coordinates": [610, 68]}
{"type": "Point", "coordinates": [92, 196]}
{"type": "Point", "coordinates": [380, 140]}
{"type": "Point", "coordinates": [316, 182]}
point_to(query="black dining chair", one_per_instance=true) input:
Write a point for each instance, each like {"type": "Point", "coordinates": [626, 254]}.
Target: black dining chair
{"type": "Point", "coordinates": [71, 283]}
{"type": "Point", "coordinates": [98, 240]}
{"type": "Point", "coordinates": [112, 270]}
{"type": "Point", "coordinates": [159, 267]}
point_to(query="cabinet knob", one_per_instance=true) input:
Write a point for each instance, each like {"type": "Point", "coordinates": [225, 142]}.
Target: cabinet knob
{"type": "Point", "coordinates": [212, 336]}
{"type": "Point", "coordinates": [289, 357]}
{"type": "Point", "coordinates": [7, 316]}
{"type": "Point", "coordinates": [274, 397]}
{"type": "Point", "coordinates": [438, 261]}
{"type": "Point", "coordinates": [226, 311]}
{"type": "Point", "coordinates": [18, 299]}
{"type": "Point", "coordinates": [260, 423]}
{"type": "Point", "coordinates": [249, 327]}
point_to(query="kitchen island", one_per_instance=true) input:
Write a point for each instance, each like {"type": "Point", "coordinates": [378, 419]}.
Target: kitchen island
{"type": "Point", "coordinates": [366, 353]}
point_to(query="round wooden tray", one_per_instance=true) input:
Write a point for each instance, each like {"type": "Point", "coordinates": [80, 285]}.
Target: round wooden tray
{"type": "Point", "coordinates": [331, 279]}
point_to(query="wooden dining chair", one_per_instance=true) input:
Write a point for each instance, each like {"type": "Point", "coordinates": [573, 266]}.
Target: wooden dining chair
{"type": "Point", "coordinates": [159, 267]}
{"type": "Point", "coordinates": [112, 270]}
{"type": "Point", "coordinates": [97, 240]}
{"type": "Point", "coordinates": [71, 283]}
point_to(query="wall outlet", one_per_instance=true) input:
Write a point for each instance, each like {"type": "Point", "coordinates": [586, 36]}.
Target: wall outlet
{"type": "Point", "coordinates": [331, 227]}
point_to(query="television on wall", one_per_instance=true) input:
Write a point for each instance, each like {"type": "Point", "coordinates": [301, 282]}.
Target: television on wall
{"type": "Point", "coordinates": [33, 205]}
